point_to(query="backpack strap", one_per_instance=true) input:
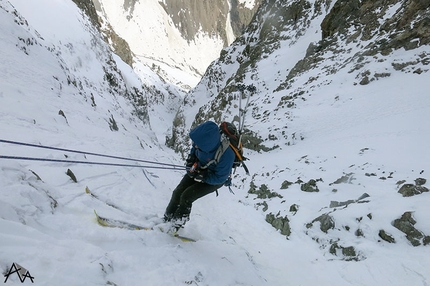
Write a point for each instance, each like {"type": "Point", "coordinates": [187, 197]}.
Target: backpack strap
{"type": "Point", "coordinates": [241, 159]}
{"type": "Point", "coordinates": [236, 151]}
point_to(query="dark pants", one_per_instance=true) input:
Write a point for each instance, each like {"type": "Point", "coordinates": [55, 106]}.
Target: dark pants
{"type": "Point", "coordinates": [183, 196]}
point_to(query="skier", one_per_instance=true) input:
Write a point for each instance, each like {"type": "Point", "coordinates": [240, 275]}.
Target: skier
{"type": "Point", "coordinates": [204, 176]}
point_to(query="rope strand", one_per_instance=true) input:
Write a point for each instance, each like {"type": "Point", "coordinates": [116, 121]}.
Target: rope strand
{"type": "Point", "coordinates": [166, 165]}
{"type": "Point", "coordinates": [88, 163]}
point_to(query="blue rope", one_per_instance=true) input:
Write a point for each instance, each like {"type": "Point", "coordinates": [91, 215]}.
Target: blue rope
{"type": "Point", "coordinates": [167, 166]}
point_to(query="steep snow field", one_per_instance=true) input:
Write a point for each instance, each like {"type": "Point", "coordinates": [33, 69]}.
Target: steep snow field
{"type": "Point", "coordinates": [47, 221]}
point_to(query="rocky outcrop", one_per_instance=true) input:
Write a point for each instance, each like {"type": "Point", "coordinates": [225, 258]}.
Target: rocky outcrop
{"type": "Point", "coordinates": [190, 17]}
{"type": "Point", "coordinates": [310, 186]}
{"type": "Point", "coordinates": [386, 236]}
{"type": "Point", "coordinates": [263, 192]}
{"type": "Point", "coordinates": [336, 226]}
{"type": "Point", "coordinates": [89, 9]}
{"type": "Point", "coordinates": [406, 224]}
{"type": "Point", "coordinates": [280, 223]}
{"type": "Point", "coordinates": [348, 252]}
{"type": "Point", "coordinates": [118, 44]}
{"type": "Point", "coordinates": [373, 21]}
{"type": "Point", "coordinates": [212, 17]}
{"type": "Point", "coordinates": [407, 25]}
{"type": "Point", "coordinates": [177, 25]}
{"type": "Point", "coordinates": [409, 190]}
{"type": "Point", "coordinates": [326, 222]}
{"type": "Point", "coordinates": [335, 204]}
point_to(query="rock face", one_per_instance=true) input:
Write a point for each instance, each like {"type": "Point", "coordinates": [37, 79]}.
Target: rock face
{"type": "Point", "coordinates": [213, 17]}
{"type": "Point", "coordinates": [89, 9]}
{"type": "Point", "coordinates": [407, 28]}
{"type": "Point", "coordinates": [191, 16]}
{"type": "Point", "coordinates": [356, 38]}
{"type": "Point", "coordinates": [186, 35]}
{"type": "Point", "coordinates": [356, 21]}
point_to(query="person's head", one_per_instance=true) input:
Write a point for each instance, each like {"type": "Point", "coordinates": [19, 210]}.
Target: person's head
{"type": "Point", "coordinates": [206, 136]}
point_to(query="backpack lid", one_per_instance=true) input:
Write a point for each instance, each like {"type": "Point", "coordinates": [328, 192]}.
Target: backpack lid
{"type": "Point", "coordinates": [229, 129]}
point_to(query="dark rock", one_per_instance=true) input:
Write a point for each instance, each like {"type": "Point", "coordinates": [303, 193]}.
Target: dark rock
{"type": "Point", "coordinates": [112, 124]}
{"type": "Point", "coordinates": [333, 248]}
{"type": "Point", "coordinates": [280, 223]}
{"type": "Point", "coordinates": [347, 178]}
{"type": "Point", "coordinates": [62, 114]}
{"type": "Point", "coordinates": [71, 175]}
{"type": "Point", "coordinates": [264, 204]}
{"type": "Point", "coordinates": [359, 232]}
{"type": "Point", "coordinates": [294, 208]}
{"type": "Point", "coordinates": [326, 222]}
{"type": "Point", "coordinates": [363, 196]}
{"type": "Point", "coordinates": [387, 237]}
{"type": "Point", "coordinates": [346, 251]}
{"type": "Point", "coordinates": [349, 251]}
{"type": "Point", "coordinates": [426, 240]}
{"type": "Point", "coordinates": [285, 185]}
{"type": "Point", "coordinates": [406, 225]}
{"type": "Point", "coordinates": [409, 190]}
{"type": "Point", "coordinates": [401, 182]}
{"type": "Point", "coordinates": [310, 186]}
{"type": "Point", "coordinates": [263, 192]}
{"type": "Point", "coordinates": [420, 181]}
{"type": "Point", "coordinates": [335, 204]}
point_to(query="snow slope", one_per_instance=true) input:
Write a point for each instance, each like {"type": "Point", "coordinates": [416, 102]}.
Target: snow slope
{"type": "Point", "coordinates": [47, 221]}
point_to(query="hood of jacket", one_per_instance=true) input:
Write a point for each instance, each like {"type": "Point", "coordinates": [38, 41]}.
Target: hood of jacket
{"type": "Point", "coordinates": [206, 136]}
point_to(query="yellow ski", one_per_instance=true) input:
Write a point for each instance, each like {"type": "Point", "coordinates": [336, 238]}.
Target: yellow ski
{"type": "Point", "coordinates": [108, 222]}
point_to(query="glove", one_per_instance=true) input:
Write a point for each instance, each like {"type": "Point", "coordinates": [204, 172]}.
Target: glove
{"type": "Point", "coordinates": [192, 173]}
{"type": "Point", "coordinates": [199, 177]}
{"type": "Point", "coordinates": [189, 162]}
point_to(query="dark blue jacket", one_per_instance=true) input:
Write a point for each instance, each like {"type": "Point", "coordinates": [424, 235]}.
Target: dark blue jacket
{"type": "Point", "coordinates": [206, 140]}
